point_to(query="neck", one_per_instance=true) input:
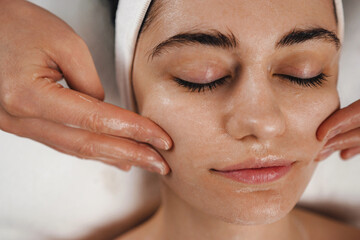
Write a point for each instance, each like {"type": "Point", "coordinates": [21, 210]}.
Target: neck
{"type": "Point", "coordinates": [177, 220]}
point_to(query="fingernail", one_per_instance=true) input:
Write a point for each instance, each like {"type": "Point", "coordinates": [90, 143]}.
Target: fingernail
{"type": "Point", "coordinates": [332, 133]}
{"type": "Point", "coordinates": [160, 143]}
{"type": "Point", "coordinates": [157, 168]}
{"type": "Point", "coordinates": [325, 153]}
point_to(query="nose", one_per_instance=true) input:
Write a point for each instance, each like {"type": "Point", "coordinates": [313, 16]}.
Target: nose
{"type": "Point", "coordinates": [253, 110]}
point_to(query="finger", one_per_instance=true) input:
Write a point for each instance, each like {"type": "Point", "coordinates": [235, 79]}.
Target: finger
{"type": "Point", "coordinates": [341, 121]}
{"type": "Point", "coordinates": [323, 154]}
{"type": "Point", "coordinates": [75, 62]}
{"type": "Point", "coordinates": [345, 140]}
{"type": "Point", "coordinates": [48, 100]}
{"type": "Point", "coordinates": [123, 165]}
{"type": "Point", "coordinates": [350, 139]}
{"type": "Point", "coordinates": [10, 124]}
{"type": "Point", "coordinates": [349, 153]}
{"type": "Point", "coordinates": [111, 150]}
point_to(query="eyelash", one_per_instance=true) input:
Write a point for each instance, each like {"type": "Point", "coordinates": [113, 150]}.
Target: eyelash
{"type": "Point", "coordinates": [201, 87]}
{"type": "Point", "coordinates": [316, 81]}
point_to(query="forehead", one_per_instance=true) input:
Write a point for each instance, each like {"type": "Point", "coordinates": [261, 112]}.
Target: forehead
{"type": "Point", "coordinates": [253, 19]}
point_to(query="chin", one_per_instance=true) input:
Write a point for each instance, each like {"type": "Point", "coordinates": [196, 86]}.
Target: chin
{"type": "Point", "coordinates": [258, 215]}
{"type": "Point", "coordinates": [254, 208]}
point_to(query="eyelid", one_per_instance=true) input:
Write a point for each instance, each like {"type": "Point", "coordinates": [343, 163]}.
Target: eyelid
{"type": "Point", "coordinates": [201, 87]}
{"type": "Point", "coordinates": [315, 81]}
{"type": "Point", "coordinates": [300, 66]}
{"type": "Point", "coordinates": [305, 73]}
{"type": "Point", "coordinates": [202, 75]}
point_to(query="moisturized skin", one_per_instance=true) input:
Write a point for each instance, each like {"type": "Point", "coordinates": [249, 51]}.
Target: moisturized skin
{"type": "Point", "coordinates": [256, 113]}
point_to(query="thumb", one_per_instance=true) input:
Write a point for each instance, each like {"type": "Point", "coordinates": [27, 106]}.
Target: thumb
{"type": "Point", "coordinates": [76, 64]}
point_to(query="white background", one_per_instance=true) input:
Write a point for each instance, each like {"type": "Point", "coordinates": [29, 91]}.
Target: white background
{"type": "Point", "coordinates": [48, 195]}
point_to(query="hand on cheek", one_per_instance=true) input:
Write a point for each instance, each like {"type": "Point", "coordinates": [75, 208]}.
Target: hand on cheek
{"type": "Point", "coordinates": [341, 131]}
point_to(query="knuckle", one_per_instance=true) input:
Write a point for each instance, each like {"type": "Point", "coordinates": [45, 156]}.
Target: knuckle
{"type": "Point", "coordinates": [93, 122]}
{"type": "Point", "coordinates": [7, 100]}
{"type": "Point", "coordinates": [10, 102]}
{"type": "Point", "coordinates": [6, 94]}
{"type": "Point", "coordinates": [140, 132]}
{"type": "Point", "coordinates": [82, 44]}
{"type": "Point", "coordinates": [15, 100]}
{"type": "Point", "coordinates": [135, 154]}
{"type": "Point", "coordinates": [144, 153]}
{"type": "Point", "coordinates": [87, 149]}
{"type": "Point", "coordinates": [123, 166]}
{"type": "Point", "coordinates": [76, 42]}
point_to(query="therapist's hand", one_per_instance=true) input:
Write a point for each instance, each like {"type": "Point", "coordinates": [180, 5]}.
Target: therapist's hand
{"type": "Point", "coordinates": [38, 49]}
{"type": "Point", "coordinates": [341, 131]}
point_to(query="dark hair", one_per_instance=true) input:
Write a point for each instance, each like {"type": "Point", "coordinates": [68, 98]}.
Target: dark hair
{"type": "Point", "coordinates": [113, 6]}
{"type": "Point", "coordinates": [151, 14]}
{"type": "Point", "coordinates": [335, 13]}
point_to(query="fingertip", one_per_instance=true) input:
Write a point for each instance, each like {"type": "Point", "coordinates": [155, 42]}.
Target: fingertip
{"type": "Point", "coordinates": [156, 169]}
{"type": "Point", "coordinates": [77, 65]}
{"type": "Point", "coordinates": [167, 172]}
{"type": "Point", "coordinates": [95, 89]}
{"type": "Point", "coordinates": [346, 154]}
{"type": "Point", "coordinates": [163, 139]}
{"type": "Point", "coordinates": [161, 143]}
{"type": "Point", "coordinates": [167, 141]}
{"type": "Point", "coordinates": [99, 94]}
{"type": "Point", "coordinates": [321, 134]}
{"type": "Point", "coordinates": [126, 168]}
{"type": "Point", "coordinates": [327, 133]}
{"type": "Point", "coordinates": [159, 167]}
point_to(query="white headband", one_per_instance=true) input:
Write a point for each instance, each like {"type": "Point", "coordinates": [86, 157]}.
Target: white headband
{"type": "Point", "coordinates": [129, 17]}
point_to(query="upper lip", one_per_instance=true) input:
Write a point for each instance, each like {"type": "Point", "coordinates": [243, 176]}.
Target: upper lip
{"type": "Point", "coordinates": [254, 163]}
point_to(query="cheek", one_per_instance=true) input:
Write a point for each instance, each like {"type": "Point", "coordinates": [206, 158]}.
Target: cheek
{"type": "Point", "coordinates": [186, 119]}
{"type": "Point", "coordinates": [179, 113]}
{"type": "Point", "coordinates": [304, 114]}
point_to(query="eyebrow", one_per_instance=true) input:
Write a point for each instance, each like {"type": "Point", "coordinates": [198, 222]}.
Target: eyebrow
{"type": "Point", "coordinates": [212, 38]}
{"type": "Point", "coordinates": [215, 38]}
{"type": "Point", "coordinates": [297, 36]}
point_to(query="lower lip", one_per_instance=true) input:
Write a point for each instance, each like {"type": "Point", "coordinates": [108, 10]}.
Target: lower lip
{"type": "Point", "coordinates": [257, 175]}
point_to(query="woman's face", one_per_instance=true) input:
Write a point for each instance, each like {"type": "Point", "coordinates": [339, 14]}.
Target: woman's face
{"type": "Point", "coordinates": [252, 110]}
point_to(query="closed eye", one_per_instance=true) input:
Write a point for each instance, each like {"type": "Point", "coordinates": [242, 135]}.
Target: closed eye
{"type": "Point", "coordinates": [201, 87]}
{"type": "Point", "coordinates": [316, 81]}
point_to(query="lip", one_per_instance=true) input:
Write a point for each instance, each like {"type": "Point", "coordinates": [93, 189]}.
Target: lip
{"type": "Point", "coordinates": [257, 171]}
